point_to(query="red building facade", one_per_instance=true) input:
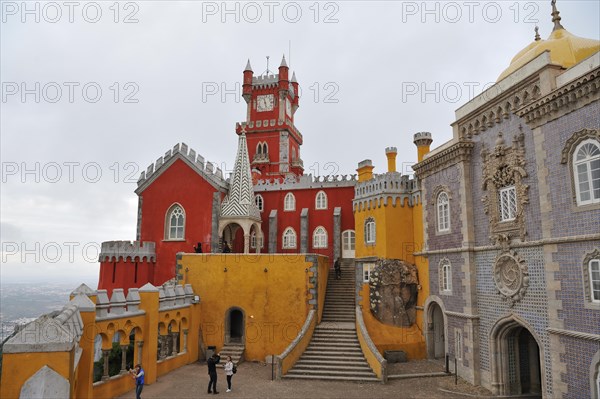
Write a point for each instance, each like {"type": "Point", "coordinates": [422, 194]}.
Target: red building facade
{"type": "Point", "coordinates": [180, 197]}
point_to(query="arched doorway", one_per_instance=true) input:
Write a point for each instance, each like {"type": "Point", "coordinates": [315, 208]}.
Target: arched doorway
{"type": "Point", "coordinates": [348, 242]}
{"type": "Point", "coordinates": [234, 326]}
{"type": "Point", "coordinates": [436, 338]}
{"type": "Point", "coordinates": [516, 361]}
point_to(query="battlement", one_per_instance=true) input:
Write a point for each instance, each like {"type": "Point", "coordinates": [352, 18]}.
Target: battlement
{"type": "Point", "coordinates": [293, 182]}
{"type": "Point", "coordinates": [127, 250]}
{"type": "Point", "coordinates": [268, 123]}
{"type": "Point", "coordinates": [422, 138]}
{"type": "Point", "coordinates": [384, 184]}
{"type": "Point", "coordinates": [264, 81]}
{"type": "Point", "coordinates": [197, 161]}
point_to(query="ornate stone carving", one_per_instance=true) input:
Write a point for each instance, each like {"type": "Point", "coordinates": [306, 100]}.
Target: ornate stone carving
{"type": "Point", "coordinates": [393, 292]}
{"type": "Point", "coordinates": [504, 167]}
{"type": "Point", "coordinates": [511, 276]}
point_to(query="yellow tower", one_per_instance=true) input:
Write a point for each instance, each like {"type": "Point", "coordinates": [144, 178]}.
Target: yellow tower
{"type": "Point", "coordinates": [388, 220]}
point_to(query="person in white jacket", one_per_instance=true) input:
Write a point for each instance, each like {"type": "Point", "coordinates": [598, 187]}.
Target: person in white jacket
{"type": "Point", "coordinates": [229, 372]}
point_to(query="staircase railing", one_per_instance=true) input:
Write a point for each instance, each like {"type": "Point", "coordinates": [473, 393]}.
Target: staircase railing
{"type": "Point", "coordinates": [377, 363]}
{"type": "Point", "coordinates": [296, 348]}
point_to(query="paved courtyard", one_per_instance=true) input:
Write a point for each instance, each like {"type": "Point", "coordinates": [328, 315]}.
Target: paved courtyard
{"type": "Point", "coordinates": [253, 380]}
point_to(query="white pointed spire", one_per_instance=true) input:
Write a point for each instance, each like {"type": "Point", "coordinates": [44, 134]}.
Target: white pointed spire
{"type": "Point", "coordinates": [248, 66]}
{"type": "Point", "coordinates": [294, 78]}
{"type": "Point", "coordinates": [283, 63]}
{"type": "Point", "coordinates": [240, 199]}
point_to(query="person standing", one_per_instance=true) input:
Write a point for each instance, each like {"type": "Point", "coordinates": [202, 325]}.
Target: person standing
{"type": "Point", "coordinates": [212, 372]}
{"type": "Point", "coordinates": [138, 375]}
{"type": "Point", "coordinates": [338, 269]}
{"type": "Point", "coordinates": [229, 372]}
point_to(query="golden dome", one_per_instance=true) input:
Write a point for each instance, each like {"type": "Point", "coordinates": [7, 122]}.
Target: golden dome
{"type": "Point", "coordinates": [565, 49]}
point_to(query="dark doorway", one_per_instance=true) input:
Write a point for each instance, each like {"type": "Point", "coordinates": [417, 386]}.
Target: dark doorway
{"type": "Point", "coordinates": [236, 326]}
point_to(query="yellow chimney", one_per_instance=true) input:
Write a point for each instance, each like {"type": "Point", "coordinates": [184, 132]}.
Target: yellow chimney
{"type": "Point", "coordinates": [422, 140]}
{"type": "Point", "coordinates": [391, 153]}
{"type": "Point", "coordinates": [365, 170]}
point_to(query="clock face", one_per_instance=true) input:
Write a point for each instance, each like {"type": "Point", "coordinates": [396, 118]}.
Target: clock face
{"type": "Point", "coordinates": [288, 107]}
{"type": "Point", "coordinates": [265, 103]}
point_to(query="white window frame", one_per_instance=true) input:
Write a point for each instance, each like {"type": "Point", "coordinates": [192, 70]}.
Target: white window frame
{"type": "Point", "coordinates": [594, 264]}
{"type": "Point", "coordinates": [178, 228]}
{"type": "Point", "coordinates": [587, 163]}
{"type": "Point", "coordinates": [367, 269]}
{"type": "Point", "coordinates": [443, 212]}
{"type": "Point", "coordinates": [287, 236]}
{"type": "Point", "coordinates": [289, 202]}
{"type": "Point", "coordinates": [370, 231]}
{"type": "Point", "coordinates": [320, 237]}
{"type": "Point", "coordinates": [321, 200]}
{"type": "Point", "coordinates": [445, 276]}
{"type": "Point", "coordinates": [458, 344]}
{"type": "Point", "coordinates": [260, 202]}
{"type": "Point", "coordinates": [508, 203]}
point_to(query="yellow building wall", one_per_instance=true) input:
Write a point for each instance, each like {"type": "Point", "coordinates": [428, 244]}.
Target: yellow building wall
{"type": "Point", "coordinates": [399, 234]}
{"type": "Point", "coordinates": [271, 289]}
{"type": "Point", "coordinates": [17, 368]}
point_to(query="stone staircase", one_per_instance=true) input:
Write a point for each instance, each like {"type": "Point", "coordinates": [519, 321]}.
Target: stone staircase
{"type": "Point", "coordinates": [233, 349]}
{"type": "Point", "coordinates": [334, 352]}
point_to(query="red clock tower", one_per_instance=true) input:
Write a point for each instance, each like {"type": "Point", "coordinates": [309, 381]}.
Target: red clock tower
{"type": "Point", "coordinates": [273, 140]}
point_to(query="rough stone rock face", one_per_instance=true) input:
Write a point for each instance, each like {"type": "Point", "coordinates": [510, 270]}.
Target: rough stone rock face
{"type": "Point", "coordinates": [393, 292]}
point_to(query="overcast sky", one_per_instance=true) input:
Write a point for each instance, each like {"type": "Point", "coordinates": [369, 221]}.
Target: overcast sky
{"type": "Point", "coordinates": [94, 92]}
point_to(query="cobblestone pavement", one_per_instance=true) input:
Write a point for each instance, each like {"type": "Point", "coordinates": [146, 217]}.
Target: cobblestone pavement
{"type": "Point", "coordinates": [253, 380]}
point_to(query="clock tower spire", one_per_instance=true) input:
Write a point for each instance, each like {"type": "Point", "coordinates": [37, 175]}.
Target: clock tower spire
{"type": "Point", "coordinates": [273, 139]}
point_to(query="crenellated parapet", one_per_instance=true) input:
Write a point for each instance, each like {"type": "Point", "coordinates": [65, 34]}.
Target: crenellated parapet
{"type": "Point", "coordinates": [270, 123]}
{"type": "Point", "coordinates": [305, 182]}
{"type": "Point", "coordinates": [265, 81]}
{"type": "Point", "coordinates": [208, 170]}
{"type": "Point", "coordinates": [115, 251]}
{"type": "Point", "coordinates": [172, 296]}
{"type": "Point", "coordinates": [378, 190]}
{"type": "Point", "coordinates": [118, 305]}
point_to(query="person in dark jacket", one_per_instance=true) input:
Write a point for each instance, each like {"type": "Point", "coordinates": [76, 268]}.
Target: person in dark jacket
{"type": "Point", "coordinates": [338, 269]}
{"type": "Point", "coordinates": [212, 372]}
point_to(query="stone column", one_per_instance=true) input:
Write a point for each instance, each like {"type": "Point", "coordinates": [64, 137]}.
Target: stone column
{"type": "Point", "coordinates": [140, 345]}
{"type": "Point", "coordinates": [163, 347]}
{"type": "Point", "coordinates": [174, 338]}
{"type": "Point", "coordinates": [247, 243]}
{"type": "Point", "coordinates": [105, 353]}
{"type": "Point", "coordinates": [124, 359]}
{"type": "Point", "coordinates": [185, 335]}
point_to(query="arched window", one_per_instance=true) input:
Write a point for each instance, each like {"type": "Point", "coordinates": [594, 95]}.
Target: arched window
{"type": "Point", "coordinates": [321, 200]}
{"type": "Point", "coordinates": [259, 149]}
{"type": "Point", "coordinates": [443, 212]}
{"type": "Point", "coordinates": [260, 203]}
{"type": "Point", "coordinates": [289, 202]}
{"type": "Point", "coordinates": [594, 270]}
{"type": "Point", "coordinates": [265, 149]}
{"type": "Point", "coordinates": [586, 170]}
{"type": "Point", "coordinates": [175, 225]}
{"type": "Point", "coordinates": [445, 271]}
{"type": "Point", "coordinates": [320, 237]}
{"type": "Point", "coordinates": [370, 231]}
{"type": "Point", "coordinates": [293, 154]}
{"type": "Point", "coordinates": [289, 238]}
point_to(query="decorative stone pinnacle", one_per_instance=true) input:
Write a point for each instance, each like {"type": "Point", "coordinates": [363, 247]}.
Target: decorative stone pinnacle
{"type": "Point", "coordinates": [248, 66]}
{"type": "Point", "coordinates": [556, 17]}
{"type": "Point", "coordinates": [283, 63]}
{"type": "Point", "coordinates": [294, 78]}
{"type": "Point", "coordinates": [537, 34]}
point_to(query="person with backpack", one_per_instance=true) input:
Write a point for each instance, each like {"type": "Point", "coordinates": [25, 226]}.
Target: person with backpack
{"type": "Point", "coordinates": [230, 370]}
{"type": "Point", "coordinates": [138, 375]}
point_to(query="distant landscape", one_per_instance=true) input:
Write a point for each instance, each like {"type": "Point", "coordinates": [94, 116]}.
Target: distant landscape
{"type": "Point", "coordinates": [21, 303]}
